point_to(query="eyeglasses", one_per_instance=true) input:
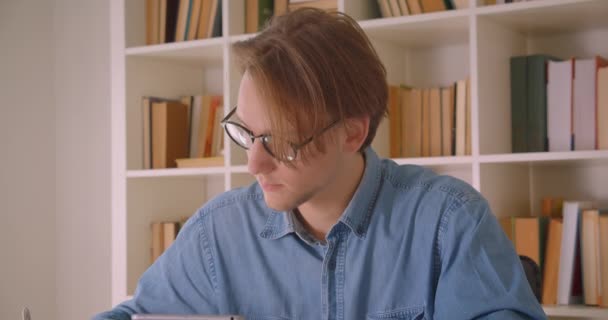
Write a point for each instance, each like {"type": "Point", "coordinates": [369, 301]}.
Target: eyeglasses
{"type": "Point", "coordinates": [244, 138]}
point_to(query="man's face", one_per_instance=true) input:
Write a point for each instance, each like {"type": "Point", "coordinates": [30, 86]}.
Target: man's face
{"type": "Point", "coordinates": [285, 187]}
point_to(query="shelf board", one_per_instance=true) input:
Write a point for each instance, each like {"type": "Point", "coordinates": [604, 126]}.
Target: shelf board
{"type": "Point", "coordinates": [436, 161]}
{"type": "Point", "coordinates": [205, 51]}
{"type": "Point", "coordinates": [241, 37]}
{"type": "Point", "coordinates": [421, 30]}
{"type": "Point", "coordinates": [601, 155]}
{"type": "Point", "coordinates": [174, 172]}
{"type": "Point", "coordinates": [578, 311]}
{"type": "Point", "coordinates": [547, 17]}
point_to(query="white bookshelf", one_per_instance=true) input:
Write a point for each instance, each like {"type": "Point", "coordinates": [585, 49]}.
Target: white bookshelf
{"type": "Point", "coordinates": [423, 50]}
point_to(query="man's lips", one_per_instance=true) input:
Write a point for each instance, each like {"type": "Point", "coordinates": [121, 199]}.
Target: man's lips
{"type": "Point", "coordinates": [269, 187]}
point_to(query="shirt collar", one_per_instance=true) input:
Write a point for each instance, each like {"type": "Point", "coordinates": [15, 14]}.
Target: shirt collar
{"type": "Point", "coordinates": [356, 215]}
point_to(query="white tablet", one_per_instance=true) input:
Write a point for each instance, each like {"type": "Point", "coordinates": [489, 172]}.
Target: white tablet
{"type": "Point", "coordinates": [183, 317]}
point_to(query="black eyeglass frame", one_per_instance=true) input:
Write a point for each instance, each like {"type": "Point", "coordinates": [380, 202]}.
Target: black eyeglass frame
{"type": "Point", "coordinates": [264, 137]}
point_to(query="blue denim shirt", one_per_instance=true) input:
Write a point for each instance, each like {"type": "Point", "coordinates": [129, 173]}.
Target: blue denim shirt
{"type": "Point", "coordinates": [410, 245]}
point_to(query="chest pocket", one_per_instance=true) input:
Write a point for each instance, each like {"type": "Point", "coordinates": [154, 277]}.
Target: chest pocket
{"type": "Point", "coordinates": [414, 313]}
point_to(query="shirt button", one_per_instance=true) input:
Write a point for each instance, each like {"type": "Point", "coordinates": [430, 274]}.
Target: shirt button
{"type": "Point", "coordinates": [331, 266]}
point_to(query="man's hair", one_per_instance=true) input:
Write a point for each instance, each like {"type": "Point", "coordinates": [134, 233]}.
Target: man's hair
{"type": "Point", "coordinates": [312, 68]}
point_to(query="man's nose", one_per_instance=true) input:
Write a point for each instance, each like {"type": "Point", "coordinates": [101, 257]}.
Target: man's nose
{"type": "Point", "coordinates": [259, 161]}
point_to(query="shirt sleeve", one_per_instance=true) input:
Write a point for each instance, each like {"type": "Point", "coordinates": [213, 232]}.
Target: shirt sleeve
{"type": "Point", "coordinates": [481, 275]}
{"type": "Point", "coordinates": [180, 281]}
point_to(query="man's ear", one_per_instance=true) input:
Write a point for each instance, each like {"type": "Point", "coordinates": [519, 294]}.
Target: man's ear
{"type": "Point", "coordinates": [356, 130]}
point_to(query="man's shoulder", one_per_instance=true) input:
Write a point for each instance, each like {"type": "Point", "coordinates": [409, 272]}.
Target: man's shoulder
{"type": "Point", "coordinates": [423, 181]}
{"type": "Point", "coordinates": [235, 204]}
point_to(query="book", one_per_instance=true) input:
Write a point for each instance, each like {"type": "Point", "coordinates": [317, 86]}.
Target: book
{"type": "Point", "coordinates": [568, 283]}
{"type": "Point", "coordinates": [147, 132]}
{"type": "Point", "coordinates": [216, 104]}
{"type": "Point", "coordinates": [157, 246]}
{"type": "Point", "coordinates": [426, 123]}
{"type": "Point", "coordinates": [460, 112]}
{"type": "Point", "coordinates": [528, 235]}
{"type": "Point", "coordinates": [183, 17]}
{"type": "Point", "coordinates": [169, 133]}
{"type": "Point", "coordinates": [394, 121]}
{"type": "Point", "coordinates": [216, 27]}
{"type": "Point", "coordinates": [168, 25]}
{"type": "Point", "coordinates": [552, 207]}
{"type": "Point", "coordinates": [405, 10]}
{"type": "Point", "coordinates": [559, 105]}
{"type": "Point", "coordinates": [395, 10]}
{"type": "Point", "coordinates": [447, 120]}
{"type": "Point", "coordinates": [467, 118]}
{"type": "Point", "coordinates": [327, 5]}
{"type": "Point", "coordinates": [280, 7]}
{"type": "Point", "coordinates": [536, 102]}
{"type": "Point", "coordinates": [169, 233]}
{"type": "Point", "coordinates": [258, 12]}
{"type": "Point", "coordinates": [435, 122]}
{"type": "Point", "coordinates": [603, 244]}
{"type": "Point", "coordinates": [552, 256]}
{"type": "Point", "coordinates": [411, 121]}
{"type": "Point", "coordinates": [203, 21]}
{"type": "Point", "coordinates": [602, 108]}
{"type": "Point", "coordinates": [195, 15]}
{"type": "Point", "coordinates": [152, 22]}
{"type": "Point", "coordinates": [414, 6]}
{"type": "Point", "coordinates": [584, 105]}
{"type": "Point", "coordinates": [529, 103]}
{"type": "Point", "coordinates": [216, 161]}
{"type": "Point", "coordinates": [519, 87]}
{"type": "Point", "coordinates": [590, 255]}
{"type": "Point", "coordinates": [432, 5]}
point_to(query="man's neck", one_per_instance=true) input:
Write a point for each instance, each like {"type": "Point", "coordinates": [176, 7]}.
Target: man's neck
{"type": "Point", "coordinates": [320, 214]}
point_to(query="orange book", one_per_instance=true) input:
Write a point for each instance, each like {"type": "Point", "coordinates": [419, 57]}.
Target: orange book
{"type": "Point", "coordinates": [203, 20]}
{"type": "Point", "coordinates": [394, 121]}
{"type": "Point", "coordinates": [432, 5]}
{"type": "Point", "coordinates": [551, 270]}
{"type": "Point", "coordinates": [216, 103]}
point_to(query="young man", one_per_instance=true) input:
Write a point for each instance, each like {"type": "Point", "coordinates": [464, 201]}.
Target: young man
{"type": "Point", "coordinates": [329, 230]}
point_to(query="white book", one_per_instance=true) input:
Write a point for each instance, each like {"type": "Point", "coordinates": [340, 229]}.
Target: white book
{"type": "Point", "coordinates": [559, 105]}
{"type": "Point", "coordinates": [570, 242]}
{"type": "Point", "coordinates": [602, 109]}
{"type": "Point", "coordinates": [195, 124]}
{"type": "Point", "coordinates": [583, 108]}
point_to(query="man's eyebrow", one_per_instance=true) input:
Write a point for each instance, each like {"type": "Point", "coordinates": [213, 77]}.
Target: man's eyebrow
{"type": "Point", "coordinates": [244, 124]}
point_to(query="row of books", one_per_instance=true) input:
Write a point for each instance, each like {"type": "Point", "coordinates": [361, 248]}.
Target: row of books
{"type": "Point", "coordinates": [182, 20]}
{"type": "Point", "coordinates": [258, 12]}
{"type": "Point", "coordinates": [398, 8]}
{"type": "Point", "coordinates": [163, 234]}
{"type": "Point", "coordinates": [559, 105]}
{"type": "Point", "coordinates": [430, 122]}
{"type": "Point", "coordinates": [571, 250]}
{"type": "Point", "coordinates": [182, 132]}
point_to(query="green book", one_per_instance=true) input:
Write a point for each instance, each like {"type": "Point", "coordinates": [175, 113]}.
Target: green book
{"type": "Point", "coordinates": [265, 12]}
{"type": "Point", "coordinates": [519, 87]}
{"type": "Point", "coordinates": [529, 103]}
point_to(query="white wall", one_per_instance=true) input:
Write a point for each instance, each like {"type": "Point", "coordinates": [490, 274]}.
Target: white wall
{"type": "Point", "coordinates": [82, 91]}
{"type": "Point", "coordinates": [54, 158]}
{"type": "Point", "coordinates": [27, 160]}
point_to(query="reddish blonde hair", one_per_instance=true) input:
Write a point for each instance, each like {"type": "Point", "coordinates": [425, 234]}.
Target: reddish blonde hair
{"type": "Point", "coordinates": [312, 68]}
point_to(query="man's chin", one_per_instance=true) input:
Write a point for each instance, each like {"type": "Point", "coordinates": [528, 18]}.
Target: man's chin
{"type": "Point", "coordinates": [278, 203]}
